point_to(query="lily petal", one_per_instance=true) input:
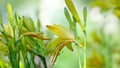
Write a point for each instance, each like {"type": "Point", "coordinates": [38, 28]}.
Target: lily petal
{"type": "Point", "coordinates": [58, 49]}
{"type": "Point", "coordinates": [60, 31]}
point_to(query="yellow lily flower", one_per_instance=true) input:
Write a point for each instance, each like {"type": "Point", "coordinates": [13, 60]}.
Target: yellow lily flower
{"type": "Point", "coordinates": [64, 39]}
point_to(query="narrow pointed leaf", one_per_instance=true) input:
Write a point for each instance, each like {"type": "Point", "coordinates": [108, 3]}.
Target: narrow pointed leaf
{"type": "Point", "coordinates": [32, 26]}
{"type": "Point", "coordinates": [0, 19]}
{"type": "Point", "coordinates": [29, 24]}
{"type": "Point", "coordinates": [38, 25]}
{"type": "Point", "coordinates": [26, 23]}
{"type": "Point", "coordinates": [17, 19]}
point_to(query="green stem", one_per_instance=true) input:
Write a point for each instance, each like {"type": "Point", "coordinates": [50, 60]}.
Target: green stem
{"type": "Point", "coordinates": [18, 55]}
{"type": "Point", "coordinates": [79, 58]}
{"type": "Point", "coordinates": [76, 38]}
{"type": "Point", "coordinates": [85, 50]}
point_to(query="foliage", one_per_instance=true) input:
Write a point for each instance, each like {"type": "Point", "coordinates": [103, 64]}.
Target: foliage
{"type": "Point", "coordinates": [21, 41]}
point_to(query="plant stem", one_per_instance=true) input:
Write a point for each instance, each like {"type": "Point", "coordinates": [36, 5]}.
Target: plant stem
{"type": "Point", "coordinates": [76, 38]}
{"type": "Point", "coordinates": [79, 58]}
{"type": "Point", "coordinates": [85, 49]}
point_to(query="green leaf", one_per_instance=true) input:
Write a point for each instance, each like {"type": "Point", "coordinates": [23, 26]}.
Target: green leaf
{"type": "Point", "coordinates": [25, 20]}
{"type": "Point", "coordinates": [17, 18]}
{"type": "Point", "coordinates": [32, 26]}
{"type": "Point", "coordinates": [23, 47]}
{"type": "Point", "coordinates": [38, 25]}
{"type": "Point", "coordinates": [85, 15]}
{"type": "Point", "coordinates": [29, 24]}
{"type": "Point", "coordinates": [0, 19]}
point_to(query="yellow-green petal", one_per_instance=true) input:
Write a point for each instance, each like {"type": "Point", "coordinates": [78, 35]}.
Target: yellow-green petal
{"type": "Point", "coordinates": [60, 31]}
{"type": "Point", "coordinates": [59, 48]}
{"type": "Point", "coordinates": [52, 45]}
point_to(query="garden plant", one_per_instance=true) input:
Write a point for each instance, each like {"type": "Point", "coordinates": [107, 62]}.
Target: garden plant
{"type": "Point", "coordinates": [23, 43]}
